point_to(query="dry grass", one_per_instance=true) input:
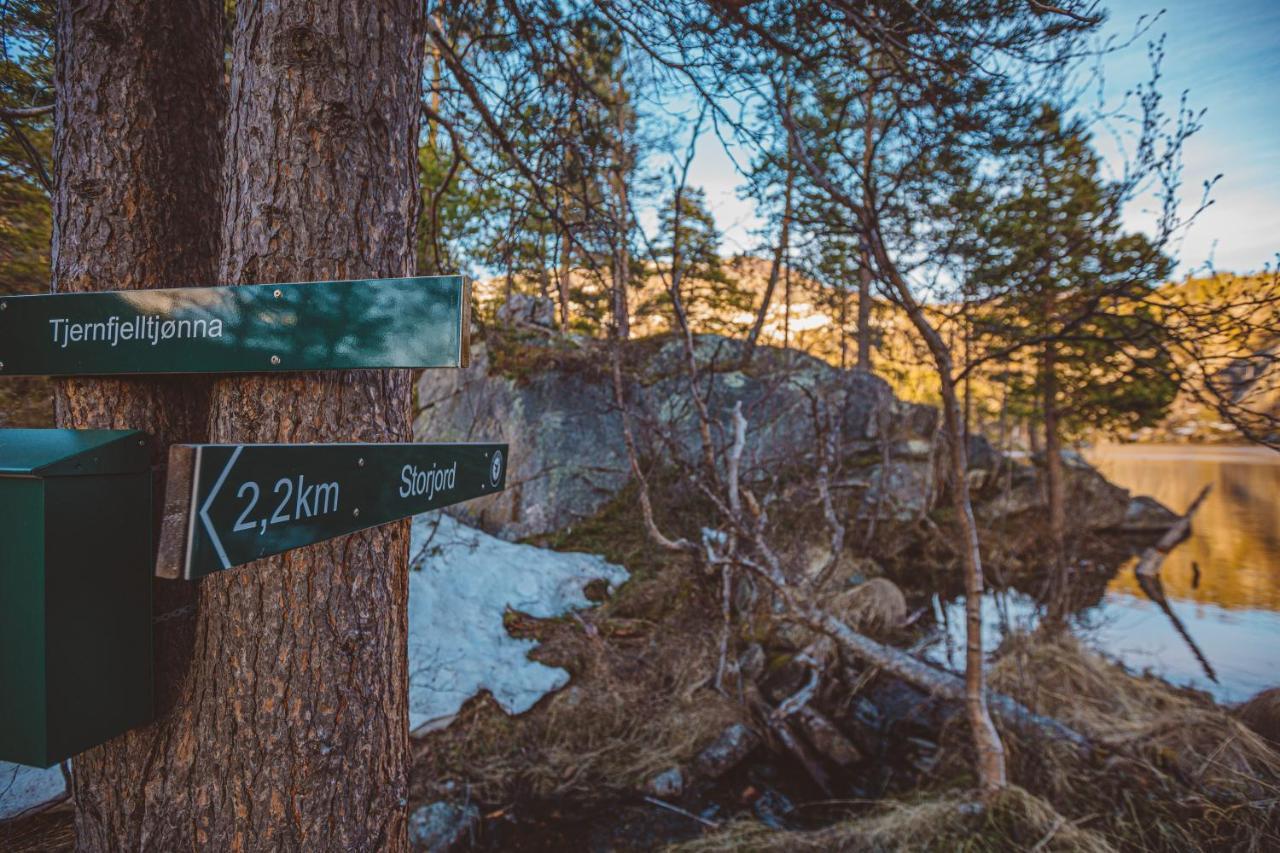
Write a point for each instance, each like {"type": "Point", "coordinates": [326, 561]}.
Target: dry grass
{"type": "Point", "coordinates": [1173, 770]}
{"type": "Point", "coordinates": [1017, 820]}
{"type": "Point", "coordinates": [640, 701]}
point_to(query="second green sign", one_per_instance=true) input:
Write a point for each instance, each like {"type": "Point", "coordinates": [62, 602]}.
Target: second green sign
{"type": "Point", "coordinates": [229, 504]}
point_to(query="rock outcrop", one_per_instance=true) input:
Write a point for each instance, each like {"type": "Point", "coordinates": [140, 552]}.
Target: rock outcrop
{"type": "Point", "coordinates": [553, 400]}
{"type": "Point", "coordinates": [551, 397]}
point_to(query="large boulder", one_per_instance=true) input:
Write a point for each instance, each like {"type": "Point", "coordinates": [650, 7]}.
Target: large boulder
{"type": "Point", "coordinates": [552, 399]}
{"type": "Point", "coordinates": [1092, 501]}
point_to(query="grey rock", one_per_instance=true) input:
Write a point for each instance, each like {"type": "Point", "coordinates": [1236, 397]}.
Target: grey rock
{"type": "Point", "coordinates": [441, 826]}
{"type": "Point", "coordinates": [1093, 502]}
{"type": "Point", "coordinates": [568, 457]}
{"type": "Point", "coordinates": [667, 785]}
{"type": "Point", "coordinates": [523, 309]}
{"type": "Point", "coordinates": [981, 455]}
{"type": "Point", "coordinates": [1147, 515]}
{"type": "Point", "coordinates": [902, 493]}
{"type": "Point", "coordinates": [726, 751]}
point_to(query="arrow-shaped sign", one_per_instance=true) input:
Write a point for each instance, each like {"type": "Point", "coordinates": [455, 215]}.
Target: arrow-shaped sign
{"type": "Point", "coordinates": [230, 504]}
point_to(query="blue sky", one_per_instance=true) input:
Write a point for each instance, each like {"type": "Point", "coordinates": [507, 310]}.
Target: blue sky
{"type": "Point", "coordinates": [1226, 56]}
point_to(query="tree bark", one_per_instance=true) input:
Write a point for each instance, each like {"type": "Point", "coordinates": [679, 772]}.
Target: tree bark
{"type": "Point", "coordinates": [992, 774]}
{"type": "Point", "coordinates": [138, 163]}
{"type": "Point", "coordinates": [864, 313]}
{"type": "Point", "coordinates": [291, 728]}
{"type": "Point", "coordinates": [1054, 484]}
{"type": "Point", "coordinates": [621, 169]}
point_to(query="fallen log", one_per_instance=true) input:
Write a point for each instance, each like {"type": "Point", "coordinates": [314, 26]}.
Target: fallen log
{"type": "Point", "coordinates": [937, 682]}
{"type": "Point", "coordinates": [1152, 558]}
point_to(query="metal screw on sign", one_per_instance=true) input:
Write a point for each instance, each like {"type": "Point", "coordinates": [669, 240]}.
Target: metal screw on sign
{"type": "Point", "coordinates": [278, 293]}
{"type": "Point", "coordinates": [356, 512]}
{"type": "Point", "coordinates": [360, 461]}
{"type": "Point", "coordinates": [275, 359]}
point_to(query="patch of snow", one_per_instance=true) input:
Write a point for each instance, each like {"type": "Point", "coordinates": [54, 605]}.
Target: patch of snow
{"type": "Point", "coordinates": [24, 788]}
{"type": "Point", "coordinates": [461, 583]}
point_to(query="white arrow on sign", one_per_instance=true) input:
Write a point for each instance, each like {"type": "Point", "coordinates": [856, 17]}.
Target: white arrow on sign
{"type": "Point", "coordinates": [204, 509]}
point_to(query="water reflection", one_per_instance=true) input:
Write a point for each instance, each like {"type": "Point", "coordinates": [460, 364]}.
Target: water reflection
{"type": "Point", "coordinates": [1233, 613]}
{"type": "Point", "coordinates": [1235, 535]}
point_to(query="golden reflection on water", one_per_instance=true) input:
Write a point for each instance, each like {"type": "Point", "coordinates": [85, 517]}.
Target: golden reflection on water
{"type": "Point", "coordinates": [1236, 533]}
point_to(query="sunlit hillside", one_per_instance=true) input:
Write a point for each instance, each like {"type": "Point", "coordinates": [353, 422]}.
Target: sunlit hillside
{"type": "Point", "coordinates": [823, 322]}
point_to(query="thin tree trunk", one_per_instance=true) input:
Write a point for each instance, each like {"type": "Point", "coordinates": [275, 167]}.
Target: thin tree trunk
{"type": "Point", "coordinates": [844, 326]}
{"type": "Point", "coordinates": [775, 269]}
{"type": "Point", "coordinates": [621, 226]}
{"type": "Point", "coordinates": [563, 258]}
{"type": "Point", "coordinates": [864, 313]}
{"type": "Point", "coordinates": [991, 765]}
{"type": "Point", "coordinates": [786, 296]}
{"type": "Point", "coordinates": [992, 775]}
{"type": "Point", "coordinates": [291, 730]}
{"type": "Point", "coordinates": [136, 205]}
{"type": "Point", "coordinates": [1054, 485]}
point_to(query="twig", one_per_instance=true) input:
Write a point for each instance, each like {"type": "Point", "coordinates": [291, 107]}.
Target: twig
{"type": "Point", "coordinates": [25, 112]}
{"type": "Point", "coordinates": [662, 804]}
{"type": "Point", "coordinates": [32, 154]}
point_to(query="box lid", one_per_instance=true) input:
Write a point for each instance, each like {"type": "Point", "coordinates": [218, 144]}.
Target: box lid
{"type": "Point", "coordinates": [73, 452]}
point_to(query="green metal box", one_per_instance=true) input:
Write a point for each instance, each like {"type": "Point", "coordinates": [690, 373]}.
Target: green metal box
{"type": "Point", "coordinates": [75, 590]}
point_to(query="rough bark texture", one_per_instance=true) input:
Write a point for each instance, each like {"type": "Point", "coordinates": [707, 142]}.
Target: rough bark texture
{"type": "Point", "coordinates": [301, 722]}
{"type": "Point", "coordinates": [1056, 498]}
{"type": "Point", "coordinates": [290, 729]}
{"type": "Point", "coordinates": [138, 154]}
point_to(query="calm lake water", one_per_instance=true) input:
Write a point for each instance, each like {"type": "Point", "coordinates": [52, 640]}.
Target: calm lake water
{"type": "Point", "coordinates": [1232, 613]}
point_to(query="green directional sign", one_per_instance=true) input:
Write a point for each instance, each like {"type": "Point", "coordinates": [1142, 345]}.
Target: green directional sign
{"type": "Point", "coordinates": [323, 325]}
{"type": "Point", "coordinates": [230, 504]}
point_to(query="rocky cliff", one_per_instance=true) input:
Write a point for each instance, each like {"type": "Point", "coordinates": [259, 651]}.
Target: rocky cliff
{"type": "Point", "coordinates": [552, 398]}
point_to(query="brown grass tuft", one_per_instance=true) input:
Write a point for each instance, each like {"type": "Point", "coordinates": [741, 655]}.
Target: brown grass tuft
{"type": "Point", "coordinates": [1016, 820]}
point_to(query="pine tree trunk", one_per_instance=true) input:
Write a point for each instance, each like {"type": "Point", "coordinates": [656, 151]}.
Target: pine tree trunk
{"type": "Point", "coordinates": [1054, 486]}
{"type": "Point", "coordinates": [864, 313]}
{"type": "Point", "coordinates": [291, 729]}
{"type": "Point", "coordinates": [621, 231]}
{"type": "Point", "coordinates": [138, 168]}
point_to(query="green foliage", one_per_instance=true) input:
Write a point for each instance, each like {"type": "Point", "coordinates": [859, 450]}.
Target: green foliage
{"type": "Point", "coordinates": [690, 255]}
{"type": "Point", "coordinates": [26, 80]}
{"type": "Point", "coordinates": [1059, 286]}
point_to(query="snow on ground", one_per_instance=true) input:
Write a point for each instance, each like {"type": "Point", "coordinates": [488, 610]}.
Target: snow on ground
{"type": "Point", "coordinates": [462, 583]}
{"type": "Point", "coordinates": [22, 788]}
